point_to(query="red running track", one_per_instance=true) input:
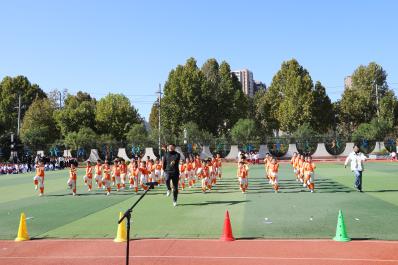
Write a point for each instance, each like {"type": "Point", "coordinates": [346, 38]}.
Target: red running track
{"type": "Point", "coordinates": [181, 251]}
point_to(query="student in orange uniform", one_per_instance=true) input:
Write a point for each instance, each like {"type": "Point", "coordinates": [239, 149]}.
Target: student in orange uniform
{"type": "Point", "coordinates": [151, 170]}
{"type": "Point", "coordinates": [134, 172]}
{"type": "Point", "coordinates": [189, 172]}
{"type": "Point", "coordinates": [274, 169]}
{"type": "Point", "coordinates": [309, 174]}
{"type": "Point", "coordinates": [98, 174]}
{"type": "Point", "coordinates": [158, 171]}
{"type": "Point", "coordinates": [106, 180]}
{"type": "Point", "coordinates": [39, 178]}
{"type": "Point", "coordinates": [296, 168]}
{"type": "Point", "coordinates": [243, 174]}
{"type": "Point", "coordinates": [181, 182]}
{"type": "Point", "coordinates": [219, 166]}
{"type": "Point", "coordinates": [72, 178]}
{"type": "Point", "coordinates": [143, 175]}
{"type": "Point", "coordinates": [88, 178]}
{"type": "Point", "coordinates": [123, 173]}
{"type": "Point", "coordinates": [213, 171]}
{"type": "Point", "coordinates": [116, 174]}
{"type": "Point", "coordinates": [205, 176]}
{"type": "Point", "coordinates": [300, 166]}
{"type": "Point", "coordinates": [198, 167]}
{"type": "Point", "coordinates": [267, 162]}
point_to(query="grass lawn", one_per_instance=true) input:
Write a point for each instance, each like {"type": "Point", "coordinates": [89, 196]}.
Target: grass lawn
{"type": "Point", "coordinates": [293, 213]}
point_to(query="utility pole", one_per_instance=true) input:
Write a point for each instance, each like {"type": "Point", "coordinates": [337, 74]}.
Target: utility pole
{"type": "Point", "coordinates": [19, 113]}
{"type": "Point", "coordinates": [159, 99]}
{"type": "Point", "coordinates": [377, 102]}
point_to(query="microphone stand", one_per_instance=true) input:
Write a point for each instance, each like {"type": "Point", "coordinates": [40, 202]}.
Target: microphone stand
{"type": "Point", "coordinates": [127, 215]}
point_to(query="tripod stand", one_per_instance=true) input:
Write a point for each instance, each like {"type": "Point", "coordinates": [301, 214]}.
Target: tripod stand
{"type": "Point", "coordinates": [127, 215]}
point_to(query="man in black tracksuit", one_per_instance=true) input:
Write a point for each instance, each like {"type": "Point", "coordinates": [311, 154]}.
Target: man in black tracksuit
{"type": "Point", "coordinates": [171, 162]}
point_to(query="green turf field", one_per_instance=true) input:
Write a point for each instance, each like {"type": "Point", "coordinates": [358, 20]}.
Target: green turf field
{"type": "Point", "coordinates": [260, 213]}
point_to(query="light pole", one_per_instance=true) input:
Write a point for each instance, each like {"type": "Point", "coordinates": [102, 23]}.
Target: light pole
{"type": "Point", "coordinates": [159, 100]}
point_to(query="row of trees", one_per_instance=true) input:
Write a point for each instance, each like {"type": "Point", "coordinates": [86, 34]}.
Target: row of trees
{"type": "Point", "coordinates": [211, 99]}
{"type": "Point", "coordinates": [206, 103]}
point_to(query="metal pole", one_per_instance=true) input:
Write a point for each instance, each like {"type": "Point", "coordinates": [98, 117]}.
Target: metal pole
{"type": "Point", "coordinates": [19, 113]}
{"type": "Point", "coordinates": [160, 95]}
{"type": "Point", "coordinates": [377, 102]}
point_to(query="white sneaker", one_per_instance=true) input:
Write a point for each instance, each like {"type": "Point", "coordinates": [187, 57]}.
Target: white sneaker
{"type": "Point", "coordinates": [312, 191]}
{"type": "Point", "coordinates": [175, 204]}
{"type": "Point", "coordinates": [74, 194]}
{"type": "Point", "coordinates": [304, 185]}
{"type": "Point", "coordinates": [35, 187]}
{"type": "Point", "coordinates": [89, 190]}
{"type": "Point", "coordinates": [107, 194]}
{"type": "Point", "coordinates": [41, 194]}
{"type": "Point", "coordinates": [168, 193]}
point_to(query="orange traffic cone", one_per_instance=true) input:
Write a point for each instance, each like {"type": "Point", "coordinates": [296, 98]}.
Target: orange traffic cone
{"type": "Point", "coordinates": [227, 232]}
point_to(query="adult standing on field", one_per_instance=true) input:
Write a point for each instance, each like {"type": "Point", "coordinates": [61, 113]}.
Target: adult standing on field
{"type": "Point", "coordinates": [171, 161]}
{"type": "Point", "coordinates": [357, 159]}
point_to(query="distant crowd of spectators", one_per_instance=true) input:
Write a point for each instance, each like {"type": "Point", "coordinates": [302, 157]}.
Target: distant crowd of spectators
{"type": "Point", "coordinates": [29, 164]}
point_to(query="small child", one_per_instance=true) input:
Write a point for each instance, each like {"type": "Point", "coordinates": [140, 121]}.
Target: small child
{"type": "Point", "coordinates": [205, 176]}
{"type": "Point", "coordinates": [309, 174]}
{"type": "Point", "coordinates": [123, 173]}
{"type": "Point", "coordinates": [106, 180]}
{"type": "Point", "coordinates": [143, 175]}
{"type": "Point", "coordinates": [98, 174]}
{"type": "Point", "coordinates": [189, 172]}
{"type": "Point", "coordinates": [116, 174]}
{"type": "Point", "coordinates": [213, 171]}
{"type": "Point", "coordinates": [243, 174]}
{"type": "Point", "coordinates": [198, 167]}
{"type": "Point", "coordinates": [72, 178]}
{"type": "Point", "coordinates": [300, 166]}
{"type": "Point", "coordinates": [158, 171]}
{"type": "Point", "coordinates": [182, 175]}
{"type": "Point", "coordinates": [274, 168]}
{"type": "Point", "coordinates": [88, 178]}
{"type": "Point", "coordinates": [219, 166]}
{"type": "Point", "coordinates": [134, 172]}
{"type": "Point", "coordinates": [39, 178]}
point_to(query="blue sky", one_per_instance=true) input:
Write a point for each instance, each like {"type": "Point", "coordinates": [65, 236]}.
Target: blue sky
{"type": "Point", "coordinates": [130, 46]}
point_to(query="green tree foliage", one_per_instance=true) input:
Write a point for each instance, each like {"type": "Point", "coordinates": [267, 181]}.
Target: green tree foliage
{"type": "Point", "coordinates": [262, 109]}
{"type": "Point", "coordinates": [374, 130]}
{"type": "Point", "coordinates": [211, 97]}
{"type": "Point", "coordinates": [115, 115]}
{"type": "Point", "coordinates": [388, 107]}
{"type": "Point", "coordinates": [289, 97]}
{"type": "Point", "coordinates": [78, 112]}
{"type": "Point", "coordinates": [358, 103]}
{"type": "Point", "coordinates": [84, 138]}
{"type": "Point", "coordinates": [195, 134]}
{"type": "Point", "coordinates": [137, 135]}
{"type": "Point", "coordinates": [154, 116]}
{"type": "Point", "coordinates": [322, 109]}
{"type": "Point", "coordinates": [305, 132]}
{"type": "Point", "coordinates": [10, 89]}
{"type": "Point", "coordinates": [38, 126]}
{"type": "Point", "coordinates": [244, 131]}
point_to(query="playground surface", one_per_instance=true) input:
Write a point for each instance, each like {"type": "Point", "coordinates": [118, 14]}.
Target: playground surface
{"type": "Point", "coordinates": [291, 227]}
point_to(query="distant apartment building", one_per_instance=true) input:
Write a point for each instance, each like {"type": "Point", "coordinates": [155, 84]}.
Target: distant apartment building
{"type": "Point", "coordinates": [347, 82]}
{"type": "Point", "coordinates": [258, 85]}
{"type": "Point", "coordinates": [245, 77]}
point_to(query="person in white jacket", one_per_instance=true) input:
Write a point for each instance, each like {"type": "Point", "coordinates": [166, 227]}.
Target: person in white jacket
{"type": "Point", "coordinates": [357, 160]}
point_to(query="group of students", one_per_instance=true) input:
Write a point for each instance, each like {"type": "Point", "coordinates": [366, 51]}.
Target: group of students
{"type": "Point", "coordinates": [206, 171]}
{"type": "Point", "coordinates": [303, 168]}
{"type": "Point", "coordinates": [137, 174]}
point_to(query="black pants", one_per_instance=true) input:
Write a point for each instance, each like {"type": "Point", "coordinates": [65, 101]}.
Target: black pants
{"type": "Point", "coordinates": [174, 179]}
